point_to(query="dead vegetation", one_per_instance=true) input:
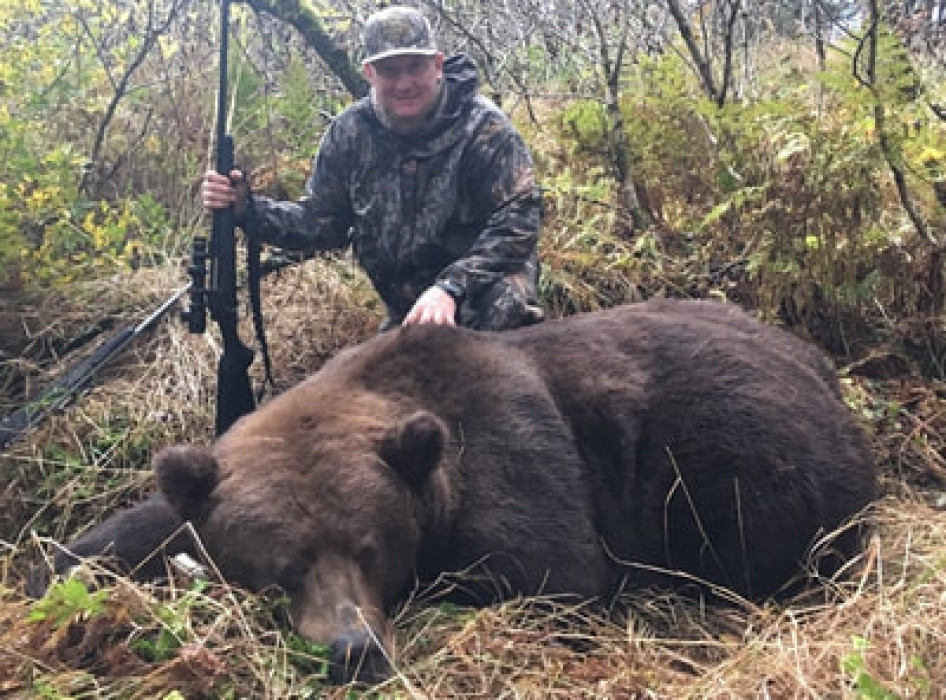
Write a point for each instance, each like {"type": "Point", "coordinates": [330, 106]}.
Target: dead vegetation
{"type": "Point", "coordinates": [875, 632]}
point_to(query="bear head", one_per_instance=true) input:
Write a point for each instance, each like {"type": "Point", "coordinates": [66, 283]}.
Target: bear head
{"type": "Point", "coordinates": [330, 504]}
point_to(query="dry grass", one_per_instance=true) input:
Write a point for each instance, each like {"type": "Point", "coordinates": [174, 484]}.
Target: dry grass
{"type": "Point", "coordinates": [878, 632]}
{"type": "Point", "coordinates": [880, 626]}
{"type": "Point", "coordinates": [881, 629]}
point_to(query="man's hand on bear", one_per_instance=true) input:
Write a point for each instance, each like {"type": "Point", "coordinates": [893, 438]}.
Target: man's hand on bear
{"type": "Point", "coordinates": [433, 306]}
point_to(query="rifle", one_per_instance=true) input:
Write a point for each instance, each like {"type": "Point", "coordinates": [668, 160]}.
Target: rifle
{"type": "Point", "coordinates": [234, 393]}
{"type": "Point", "coordinates": [64, 390]}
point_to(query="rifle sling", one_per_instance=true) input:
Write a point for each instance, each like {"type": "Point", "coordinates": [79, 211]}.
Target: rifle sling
{"type": "Point", "coordinates": [254, 269]}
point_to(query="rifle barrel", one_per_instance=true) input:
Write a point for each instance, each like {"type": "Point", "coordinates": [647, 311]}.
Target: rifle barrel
{"type": "Point", "coordinates": [234, 391]}
{"type": "Point", "coordinates": [75, 379]}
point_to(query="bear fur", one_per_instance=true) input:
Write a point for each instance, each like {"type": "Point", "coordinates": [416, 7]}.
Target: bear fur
{"type": "Point", "coordinates": [576, 456]}
{"type": "Point", "coordinates": [136, 541]}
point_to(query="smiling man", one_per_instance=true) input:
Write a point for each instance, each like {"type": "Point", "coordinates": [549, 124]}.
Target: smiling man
{"type": "Point", "coordinates": [404, 68]}
{"type": "Point", "coordinates": [426, 180]}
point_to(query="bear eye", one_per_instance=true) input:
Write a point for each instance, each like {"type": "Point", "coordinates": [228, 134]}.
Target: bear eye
{"type": "Point", "coordinates": [367, 551]}
{"type": "Point", "coordinates": [292, 576]}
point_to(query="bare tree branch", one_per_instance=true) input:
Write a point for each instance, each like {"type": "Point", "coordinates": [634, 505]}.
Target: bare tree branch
{"type": "Point", "coordinates": [152, 33]}
{"type": "Point", "coordinates": [932, 298]}
{"type": "Point", "coordinates": [300, 16]}
{"type": "Point", "coordinates": [734, 7]}
{"type": "Point", "coordinates": [703, 68]}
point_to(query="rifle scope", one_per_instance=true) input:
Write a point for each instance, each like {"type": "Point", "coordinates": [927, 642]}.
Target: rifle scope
{"type": "Point", "coordinates": [196, 315]}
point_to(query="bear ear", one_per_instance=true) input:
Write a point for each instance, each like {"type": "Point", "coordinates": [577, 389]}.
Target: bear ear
{"type": "Point", "coordinates": [186, 475]}
{"type": "Point", "coordinates": [414, 446]}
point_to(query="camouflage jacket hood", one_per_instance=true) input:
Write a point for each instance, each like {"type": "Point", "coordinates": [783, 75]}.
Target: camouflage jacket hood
{"type": "Point", "coordinates": [455, 201]}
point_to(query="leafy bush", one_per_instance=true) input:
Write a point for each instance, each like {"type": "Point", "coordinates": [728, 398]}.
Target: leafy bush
{"type": "Point", "coordinates": [49, 232]}
{"type": "Point", "coordinates": [792, 190]}
{"type": "Point", "coordinates": [584, 125]}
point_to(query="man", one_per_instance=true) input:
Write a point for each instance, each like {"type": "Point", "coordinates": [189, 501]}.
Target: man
{"type": "Point", "coordinates": [428, 182]}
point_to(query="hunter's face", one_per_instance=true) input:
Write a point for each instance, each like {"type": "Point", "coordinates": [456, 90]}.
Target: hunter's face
{"type": "Point", "coordinates": [406, 87]}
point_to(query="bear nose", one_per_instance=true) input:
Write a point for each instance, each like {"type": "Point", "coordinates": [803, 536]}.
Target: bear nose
{"type": "Point", "coordinates": [356, 657]}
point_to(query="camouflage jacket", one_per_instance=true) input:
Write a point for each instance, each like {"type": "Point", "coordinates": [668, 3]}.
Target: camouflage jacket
{"type": "Point", "coordinates": [456, 202]}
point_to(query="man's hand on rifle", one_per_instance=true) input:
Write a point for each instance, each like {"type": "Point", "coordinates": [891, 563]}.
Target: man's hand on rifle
{"type": "Point", "coordinates": [217, 191]}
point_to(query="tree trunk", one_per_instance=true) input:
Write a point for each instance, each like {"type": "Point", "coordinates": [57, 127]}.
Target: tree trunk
{"type": "Point", "coordinates": [621, 157]}
{"type": "Point", "coordinates": [617, 137]}
{"type": "Point", "coordinates": [700, 61]}
{"type": "Point", "coordinates": [930, 297]}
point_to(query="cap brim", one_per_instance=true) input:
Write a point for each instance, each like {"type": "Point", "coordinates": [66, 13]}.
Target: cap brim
{"type": "Point", "coordinates": [399, 52]}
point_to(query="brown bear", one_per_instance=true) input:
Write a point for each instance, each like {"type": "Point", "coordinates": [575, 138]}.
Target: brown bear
{"type": "Point", "coordinates": [570, 457]}
{"type": "Point", "coordinates": [573, 457]}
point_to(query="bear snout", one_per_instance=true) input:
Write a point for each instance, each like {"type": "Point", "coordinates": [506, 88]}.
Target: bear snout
{"type": "Point", "coordinates": [356, 657]}
{"type": "Point", "coordinates": [340, 610]}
